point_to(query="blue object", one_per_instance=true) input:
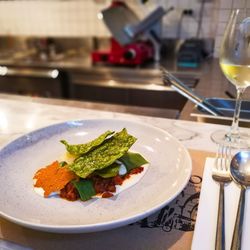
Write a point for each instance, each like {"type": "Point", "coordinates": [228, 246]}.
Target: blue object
{"type": "Point", "coordinates": [190, 53]}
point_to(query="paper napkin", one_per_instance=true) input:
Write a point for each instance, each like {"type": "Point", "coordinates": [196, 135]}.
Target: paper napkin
{"type": "Point", "coordinates": [205, 228]}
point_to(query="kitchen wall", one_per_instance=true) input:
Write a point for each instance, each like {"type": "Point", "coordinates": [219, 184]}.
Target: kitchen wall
{"type": "Point", "coordinates": [78, 18]}
{"type": "Point", "coordinates": [223, 11]}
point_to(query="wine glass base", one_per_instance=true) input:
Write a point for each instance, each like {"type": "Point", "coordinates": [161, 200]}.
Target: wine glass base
{"type": "Point", "coordinates": [242, 141]}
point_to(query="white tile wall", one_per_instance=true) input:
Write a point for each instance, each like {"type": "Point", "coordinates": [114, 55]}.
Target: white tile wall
{"type": "Point", "coordinates": [224, 9]}
{"type": "Point", "coordinates": [78, 18]}
{"type": "Point", "coordinates": [226, 4]}
{"type": "Point", "coordinates": [51, 18]}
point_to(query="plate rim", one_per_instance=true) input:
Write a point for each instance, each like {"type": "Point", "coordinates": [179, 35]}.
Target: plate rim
{"type": "Point", "coordinates": [96, 227]}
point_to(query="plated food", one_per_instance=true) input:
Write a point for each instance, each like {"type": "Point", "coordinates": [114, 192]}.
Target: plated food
{"type": "Point", "coordinates": [167, 174]}
{"type": "Point", "coordinates": [93, 169]}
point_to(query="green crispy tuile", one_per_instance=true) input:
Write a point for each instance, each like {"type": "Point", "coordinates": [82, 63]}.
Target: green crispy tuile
{"type": "Point", "coordinates": [79, 149]}
{"type": "Point", "coordinates": [103, 155]}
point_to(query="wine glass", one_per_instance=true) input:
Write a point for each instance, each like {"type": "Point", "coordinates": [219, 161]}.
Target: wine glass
{"type": "Point", "coordinates": [235, 64]}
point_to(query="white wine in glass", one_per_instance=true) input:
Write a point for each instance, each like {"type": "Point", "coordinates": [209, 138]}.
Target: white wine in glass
{"type": "Point", "coordinates": [235, 64]}
{"type": "Point", "coordinates": [239, 75]}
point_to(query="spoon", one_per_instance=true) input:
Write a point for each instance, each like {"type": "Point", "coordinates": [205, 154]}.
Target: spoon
{"type": "Point", "coordinates": [240, 171]}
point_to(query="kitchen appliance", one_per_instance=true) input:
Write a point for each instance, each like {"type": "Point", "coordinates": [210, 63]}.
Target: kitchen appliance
{"type": "Point", "coordinates": [214, 110]}
{"type": "Point", "coordinates": [184, 90]}
{"type": "Point", "coordinates": [134, 42]}
{"type": "Point", "coordinates": [135, 53]}
{"type": "Point", "coordinates": [35, 82]}
{"type": "Point", "coordinates": [227, 107]}
{"type": "Point", "coordinates": [191, 53]}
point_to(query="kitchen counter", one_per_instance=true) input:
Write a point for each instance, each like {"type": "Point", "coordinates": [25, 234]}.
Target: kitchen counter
{"type": "Point", "coordinates": [46, 111]}
{"type": "Point", "coordinates": [17, 111]}
{"type": "Point", "coordinates": [154, 112]}
{"type": "Point", "coordinates": [211, 82]}
{"type": "Point", "coordinates": [138, 86]}
{"type": "Point", "coordinates": [20, 115]}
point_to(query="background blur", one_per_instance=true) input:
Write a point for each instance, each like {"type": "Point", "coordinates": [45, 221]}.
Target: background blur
{"type": "Point", "coordinates": [78, 18]}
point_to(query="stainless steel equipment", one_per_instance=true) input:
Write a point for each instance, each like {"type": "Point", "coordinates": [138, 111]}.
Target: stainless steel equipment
{"type": "Point", "coordinates": [184, 90]}
{"type": "Point", "coordinates": [35, 82]}
{"type": "Point", "coordinates": [137, 87]}
{"type": "Point", "coordinates": [126, 27]}
{"type": "Point", "coordinates": [116, 17]}
{"type": "Point", "coordinates": [227, 107]}
{"type": "Point", "coordinates": [214, 110]}
{"type": "Point", "coordinates": [148, 27]}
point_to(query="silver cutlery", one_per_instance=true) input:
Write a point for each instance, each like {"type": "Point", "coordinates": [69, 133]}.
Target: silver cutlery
{"type": "Point", "coordinates": [240, 171]}
{"type": "Point", "coordinates": [221, 174]}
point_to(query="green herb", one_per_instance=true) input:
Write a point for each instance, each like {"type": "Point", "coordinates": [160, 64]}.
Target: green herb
{"type": "Point", "coordinates": [110, 171]}
{"type": "Point", "coordinates": [80, 149]}
{"type": "Point", "coordinates": [85, 189]}
{"type": "Point", "coordinates": [132, 160]}
{"type": "Point", "coordinates": [104, 155]}
{"type": "Point", "coordinates": [62, 163]}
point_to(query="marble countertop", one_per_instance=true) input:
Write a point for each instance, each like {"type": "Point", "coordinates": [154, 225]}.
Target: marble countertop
{"type": "Point", "coordinates": [20, 115]}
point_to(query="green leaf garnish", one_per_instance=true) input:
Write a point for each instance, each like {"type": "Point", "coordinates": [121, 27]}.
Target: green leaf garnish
{"type": "Point", "coordinates": [85, 189]}
{"type": "Point", "coordinates": [62, 163]}
{"type": "Point", "coordinates": [132, 160]}
{"type": "Point", "coordinates": [79, 149]}
{"type": "Point", "coordinates": [103, 155]}
{"type": "Point", "coordinates": [110, 171]}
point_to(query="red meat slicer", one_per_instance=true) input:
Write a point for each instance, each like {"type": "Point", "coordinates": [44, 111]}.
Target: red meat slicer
{"type": "Point", "coordinates": [135, 53]}
{"type": "Point", "coordinates": [134, 42]}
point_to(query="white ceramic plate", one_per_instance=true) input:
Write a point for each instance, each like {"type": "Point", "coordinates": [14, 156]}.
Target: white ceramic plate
{"type": "Point", "coordinates": [168, 173]}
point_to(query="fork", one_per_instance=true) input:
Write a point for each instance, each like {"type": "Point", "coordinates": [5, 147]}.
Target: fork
{"type": "Point", "coordinates": [221, 174]}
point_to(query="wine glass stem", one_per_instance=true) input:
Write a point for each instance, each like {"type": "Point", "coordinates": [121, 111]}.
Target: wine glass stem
{"type": "Point", "coordinates": [234, 131]}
